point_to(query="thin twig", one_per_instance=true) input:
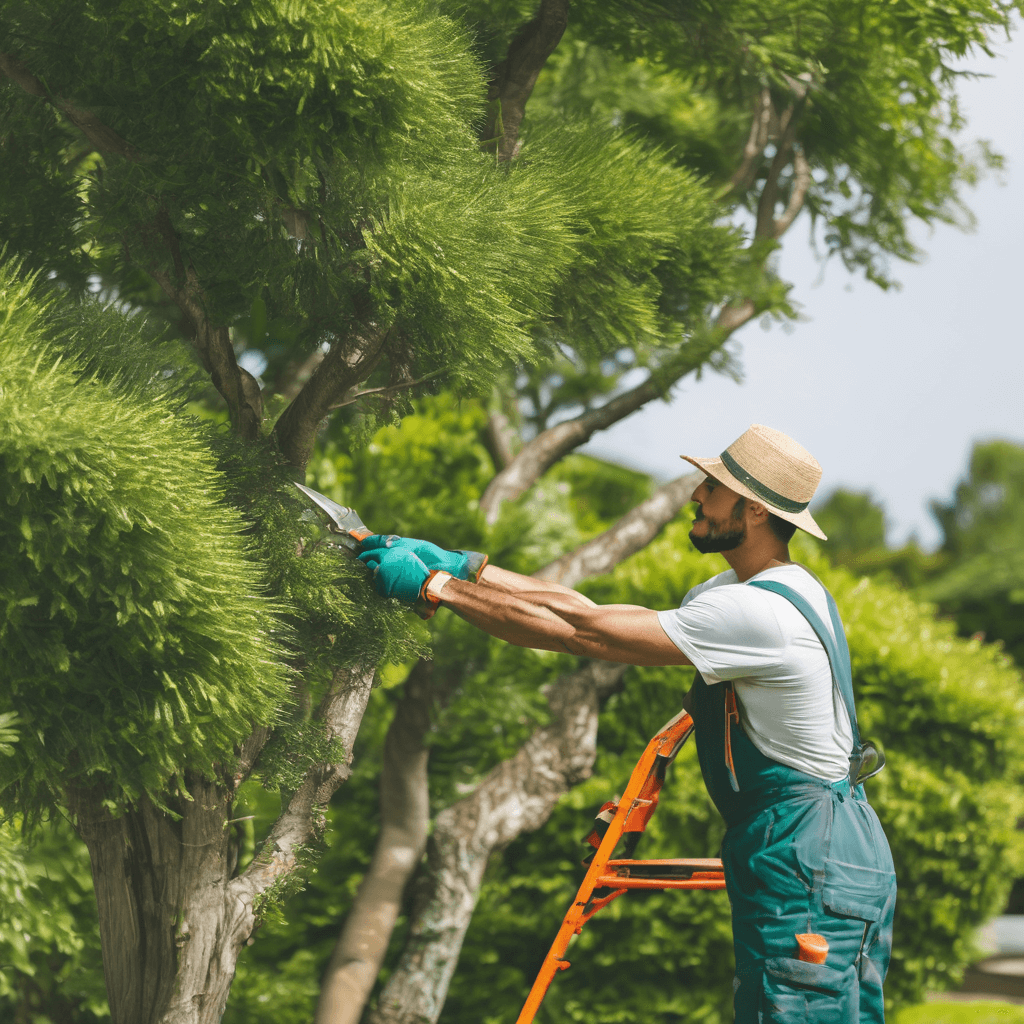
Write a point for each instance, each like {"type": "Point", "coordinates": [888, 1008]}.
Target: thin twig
{"type": "Point", "coordinates": [387, 390]}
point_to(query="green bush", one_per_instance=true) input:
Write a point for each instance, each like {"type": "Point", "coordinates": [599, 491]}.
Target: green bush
{"type": "Point", "coordinates": [49, 947]}
{"type": "Point", "coordinates": [135, 643]}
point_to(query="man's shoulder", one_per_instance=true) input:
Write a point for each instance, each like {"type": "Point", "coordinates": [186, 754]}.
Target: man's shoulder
{"type": "Point", "coordinates": [721, 580]}
{"type": "Point", "coordinates": [726, 593]}
{"type": "Point", "coordinates": [806, 584]}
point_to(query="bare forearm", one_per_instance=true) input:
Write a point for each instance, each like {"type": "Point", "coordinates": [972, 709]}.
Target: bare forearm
{"type": "Point", "coordinates": [508, 582]}
{"type": "Point", "coordinates": [554, 621]}
{"type": "Point", "coordinates": [508, 616]}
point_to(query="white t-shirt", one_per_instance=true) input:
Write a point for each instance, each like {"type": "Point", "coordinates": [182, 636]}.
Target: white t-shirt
{"type": "Point", "coordinates": [779, 669]}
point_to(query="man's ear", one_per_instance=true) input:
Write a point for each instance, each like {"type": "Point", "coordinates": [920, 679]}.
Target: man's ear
{"type": "Point", "coordinates": [757, 511]}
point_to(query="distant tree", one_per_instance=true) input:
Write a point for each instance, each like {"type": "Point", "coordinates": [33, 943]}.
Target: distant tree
{"type": "Point", "coordinates": [981, 583]}
{"type": "Point", "coordinates": [977, 574]}
{"type": "Point", "coordinates": [854, 522]}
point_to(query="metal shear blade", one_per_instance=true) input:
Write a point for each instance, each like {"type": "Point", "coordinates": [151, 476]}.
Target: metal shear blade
{"type": "Point", "coordinates": [339, 519]}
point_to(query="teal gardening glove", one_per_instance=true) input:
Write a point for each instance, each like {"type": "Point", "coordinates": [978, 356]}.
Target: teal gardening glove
{"type": "Point", "coordinates": [463, 565]}
{"type": "Point", "coordinates": [397, 572]}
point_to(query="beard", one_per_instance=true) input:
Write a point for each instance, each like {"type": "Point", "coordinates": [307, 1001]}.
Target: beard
{"type": "Point", "coordinates": [717, 539]}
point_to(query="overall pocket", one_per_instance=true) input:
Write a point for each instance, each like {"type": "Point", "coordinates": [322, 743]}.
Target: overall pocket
{"type": "Point", "coordinates": [795, 992]}
{"type": "Point", "coordinates": [851, 890]}
{"type": "Point", "coordinates": [862, 899]}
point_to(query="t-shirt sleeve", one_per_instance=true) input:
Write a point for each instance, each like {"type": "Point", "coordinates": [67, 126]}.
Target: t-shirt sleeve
{"type": "Point", "coordinates": [728, 633]}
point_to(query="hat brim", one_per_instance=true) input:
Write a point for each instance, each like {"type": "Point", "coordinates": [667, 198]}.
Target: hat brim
{"type": "Point", "coordinates": [716, 468]}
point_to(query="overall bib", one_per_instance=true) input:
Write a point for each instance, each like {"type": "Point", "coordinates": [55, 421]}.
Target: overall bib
{"type": "Point", "coordinates": [800, 855]}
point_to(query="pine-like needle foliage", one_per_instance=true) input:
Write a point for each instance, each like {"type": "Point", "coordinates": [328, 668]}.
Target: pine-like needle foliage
{"type": "Point", "coordinates": [134, 640]}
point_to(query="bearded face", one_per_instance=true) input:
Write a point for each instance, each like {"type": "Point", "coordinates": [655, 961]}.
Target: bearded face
{"type": "Point", "coordinates": [720, 535]}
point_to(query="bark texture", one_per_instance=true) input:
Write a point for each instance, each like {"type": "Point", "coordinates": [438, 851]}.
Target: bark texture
{"type": "Point", "coordinates": [172, 918]}
{"type": "Point", "coordinates": [514, 78]}
{"type": "Point", "coordinates": [517, 796]}
{"type": "Point", "coordinates": [148, 872]}
{"type": "Point", "coordinates": [340, 369]}
{"type": "Point", "coordinates": [405, 820]}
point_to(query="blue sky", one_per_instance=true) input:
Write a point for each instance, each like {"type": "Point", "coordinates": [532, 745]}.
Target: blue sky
{"type": "Point", "coordinates": [889, 390]}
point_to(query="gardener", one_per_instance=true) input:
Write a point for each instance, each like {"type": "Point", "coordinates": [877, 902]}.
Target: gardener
{"type": "Point", "coordinates": [772, 704]}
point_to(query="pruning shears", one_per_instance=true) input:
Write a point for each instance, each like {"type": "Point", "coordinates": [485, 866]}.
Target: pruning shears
{"type": "Point", "coordinates": [340, 520]}
{"type": "Point", "coordinates": [348, 531]}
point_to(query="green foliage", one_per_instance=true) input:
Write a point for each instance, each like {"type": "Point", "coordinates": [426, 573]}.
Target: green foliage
{"type": "Point", "coordinates": [880, 128]}
{"type": "Point", "coordinates": [985, 515]}
{"type": "Point", "coordinates": [988, 1011]}
{"type": "Point", "coordinates": [982, 581]}
{"type": "Point", "coordinates": [318, 164]}
{"type": "Point", "coordinates": [135, 643]}
{"type": "Point", "coordinates": [977, 576]}
{"type": "Point", "coordinates": [8, 733]}
{"type": "Point", "coordinates": [854, 523]}
{"type": "Point", "coordinates": [49, 946]}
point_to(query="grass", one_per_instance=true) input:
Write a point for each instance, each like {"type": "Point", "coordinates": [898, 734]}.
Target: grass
{"type": "Point", "coordinates": [975, 1012]}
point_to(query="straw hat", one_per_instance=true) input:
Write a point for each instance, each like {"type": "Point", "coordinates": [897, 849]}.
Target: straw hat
{"type": "Point", "coordinates": [767, 466]}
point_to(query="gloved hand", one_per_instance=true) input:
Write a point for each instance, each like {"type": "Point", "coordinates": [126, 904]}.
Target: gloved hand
{"type": "Point", "coordinates": [397, 572]}
{"type": "Point", "coordinates": [463, 565]}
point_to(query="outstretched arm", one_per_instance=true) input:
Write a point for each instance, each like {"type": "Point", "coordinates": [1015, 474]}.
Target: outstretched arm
{"type": "Point", "coordinates": [552, 620]}
{"type": "Point", "coordinates": [514, 583]}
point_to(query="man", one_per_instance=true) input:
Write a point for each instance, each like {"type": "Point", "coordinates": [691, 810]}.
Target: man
{"type": "Point", "coordinates": [775, 725]}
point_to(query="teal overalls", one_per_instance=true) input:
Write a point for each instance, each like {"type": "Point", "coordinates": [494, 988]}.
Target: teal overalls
{"type": "Point", "coordinates": [800, 855]}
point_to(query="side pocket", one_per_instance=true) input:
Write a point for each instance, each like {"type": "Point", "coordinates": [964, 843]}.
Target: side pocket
{"type": "Point", "coordinates": [795, 992]}
{"type": "Point", "coordinates": [851, 890]}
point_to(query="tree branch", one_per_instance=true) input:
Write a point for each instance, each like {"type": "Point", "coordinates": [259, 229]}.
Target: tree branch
{"type": "Point", "coordinates": [543, 451]}
{"type": "Point", "coordinates": [405, 821]}
{"type": "Point", "coordinates": [341, 711]}
{"type": "Point", "coordinates": [499, 438]}
{"type": "Point", "coordinates": [516, 796]}
{"type": "Point", "coordinates": [633, 532]}
{"type": "Point", "coordinates": [340, 369]}
{"type": "Point", "coordinates": [515, 77]}
{"type": "Point", "coordinates": [743, 178]}
{"type": "Point", "coordinates": [105, 139]}
{"type": "Point", "coordinates": [213, 344]}
{"type": "Point", "coordinates": [797, 194]}
{"type": "Point", "coordinates": [389, 389]}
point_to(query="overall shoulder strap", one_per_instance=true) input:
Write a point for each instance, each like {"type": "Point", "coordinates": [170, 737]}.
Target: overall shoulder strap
{"type": "Point", "coordinates": [837, 650]}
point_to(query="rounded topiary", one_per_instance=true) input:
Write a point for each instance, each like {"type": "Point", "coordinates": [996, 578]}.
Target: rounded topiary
{"type": "Point", "coordinates": [135, 643]}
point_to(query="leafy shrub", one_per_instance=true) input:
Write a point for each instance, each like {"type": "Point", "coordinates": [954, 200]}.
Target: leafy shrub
{"type": "Point", "coordinates": [134, 640]}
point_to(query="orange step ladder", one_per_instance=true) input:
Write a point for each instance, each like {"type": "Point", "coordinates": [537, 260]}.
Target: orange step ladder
{"type": "Point", "coordinates": [630, 818]}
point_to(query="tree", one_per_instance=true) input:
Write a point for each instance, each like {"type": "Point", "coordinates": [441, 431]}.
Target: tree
{"type": "Point", "coordinates": [329, 205]}
{"type": "Point", "coordinates": [346, 206]}
{"type": "Point", "coordinates": [976, 574]}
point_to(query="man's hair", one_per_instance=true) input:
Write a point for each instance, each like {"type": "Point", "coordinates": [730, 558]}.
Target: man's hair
{"type": "Point", "coordinates": [783, 530]}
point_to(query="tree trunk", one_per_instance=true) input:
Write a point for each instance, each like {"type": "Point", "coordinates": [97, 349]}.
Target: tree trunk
{"type": "Point", "coordinates": [515, 77]}
{"type": "Point", "coordinates": [516, 796]}
{"type": "Point", "coordinates": [172, 918]}
{"type": "Point", "coordinates": [169, 946]}
{"type": "Point", "coordinates": [405, 820]}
